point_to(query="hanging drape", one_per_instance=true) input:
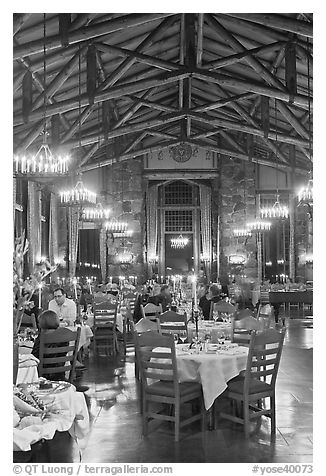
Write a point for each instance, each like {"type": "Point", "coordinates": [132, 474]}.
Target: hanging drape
{"type": "Point", "coordinates": [53, 230]}
{"type": "Point", "coordinates": [33, 225]}
{"type": "Point", "coordinates": [14, 198]}
{"type": "Point", "coordinates": [205, 195]}
{"type": "Point", "coordinates": [73, 232]}
{"type": "Point", "coordinates": [151, 219]}
{"type": "Point", "coordinates": [103, 253]}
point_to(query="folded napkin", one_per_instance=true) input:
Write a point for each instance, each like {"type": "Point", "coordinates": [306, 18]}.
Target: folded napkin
{"type": "Point", "coordinates": [232, 351]}
{"type": "Point", "coordinates": [28, 360]}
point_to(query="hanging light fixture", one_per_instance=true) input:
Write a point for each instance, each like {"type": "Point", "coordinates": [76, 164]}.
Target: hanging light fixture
{"type": "Point", "coordinates": [259, 226]}
{"type": "Point", "coordinates": [305, 195]}
{"type": "Point", "coordinates": [115, 226]}
{"type": "Point", "coordinates": [241, 232]}
{"type": "Point", "coordinates": [276, 210]}
{"type": "Point", "coordinates": [95, 213]}
{"type": "Point", "coordinates": [44, 163]}
{"type": "Point", "coordinates": [79, 195]}
{"type": "Point", "coordinates": [179, 242]}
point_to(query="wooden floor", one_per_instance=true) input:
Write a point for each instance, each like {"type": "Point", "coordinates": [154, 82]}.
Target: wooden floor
{"type": "Point", "coordinates": [115, 434]}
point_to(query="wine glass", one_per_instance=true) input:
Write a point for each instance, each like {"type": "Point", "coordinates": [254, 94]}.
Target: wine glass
{"type": "Point", "coordinates": [183, 336]}
{"type": "Point", "coordinates": [215, 316]}
{"type": "Point", "coordinates": [221, 337]}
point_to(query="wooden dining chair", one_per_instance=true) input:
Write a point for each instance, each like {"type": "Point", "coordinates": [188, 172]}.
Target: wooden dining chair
{"type": "Point", "coordinates": [161, 365]}
{"type": "Point", "coordinates": [258, 381]}
{"type": "Point", "coordinates": [27, 322]}
{"type": "Point", "coordinates": [130, 301]}
{"type": "Point", "coordinates": [58, 353]}
{"type": "Point", "coordinates": [173, 323]}
{"type": "Point", "coordinates": [242, 326]}
{"type": "Point", "coordinates": [144, 325]}
{"type": "Point", "coordinates": [150, 311]}
{"type": "Point", "coordinates": [105, 327]}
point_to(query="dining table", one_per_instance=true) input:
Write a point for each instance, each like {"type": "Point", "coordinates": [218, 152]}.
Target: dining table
{"type": "Point", "coordinates": [212, 368]}
{"type": "Point", "coordinates": [66, 410]}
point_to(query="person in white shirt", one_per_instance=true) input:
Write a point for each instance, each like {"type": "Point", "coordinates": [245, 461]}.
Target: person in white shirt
{"type": "Point", "coordinates": [65, 308]}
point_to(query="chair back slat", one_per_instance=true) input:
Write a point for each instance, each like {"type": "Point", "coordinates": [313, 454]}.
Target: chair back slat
{"type": "Point", "coordinates": [56, 358]}
{"type": "Point", "coordinates": [160, 364]}
{"type": "Point", "coordinates": [144, 325]}
{"type": "Point", "coordinates": [173, 323]}
{"type": "Point", "coordinates": [263, 362]}
{"type": "Point", "coordinates": [150, 310]}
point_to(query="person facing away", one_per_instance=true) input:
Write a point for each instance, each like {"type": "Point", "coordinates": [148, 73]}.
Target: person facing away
{"type": "Point", "coordinates": [213, 295]}
{"type": "Point", "coordinates": [161, 296]}
{"type": "Point", "coordinates": [48, 321]}
{"type": "Point", "coordinates": [64, 308]}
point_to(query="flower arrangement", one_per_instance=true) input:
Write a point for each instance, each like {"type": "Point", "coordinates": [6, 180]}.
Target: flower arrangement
{"type": "Point", "coordinates": [24, 289]}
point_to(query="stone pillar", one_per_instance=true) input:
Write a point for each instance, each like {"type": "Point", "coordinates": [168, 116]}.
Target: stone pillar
{"type": "Point", "coordinates": [292, 255]}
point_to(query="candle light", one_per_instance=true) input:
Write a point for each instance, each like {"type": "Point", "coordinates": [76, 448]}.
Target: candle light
{"type": "Point", "coordinates": [40, 295]}
{"type": "Point", "coordinates": [75, 287]}
{"type": "Point", "coordinates": [194, 290]}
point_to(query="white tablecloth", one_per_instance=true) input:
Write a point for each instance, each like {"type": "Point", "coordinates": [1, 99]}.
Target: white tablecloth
{"type": "Point", "coordinates": [255, 296]}
{"type": "Point", "coordinates": [73, 417]}
{"type": "Point", "coordinates": [85, 335]}
{"type": "Point", "coordinates": [213, 371]}
{"type": "Point", "coordinates": [27, 370]}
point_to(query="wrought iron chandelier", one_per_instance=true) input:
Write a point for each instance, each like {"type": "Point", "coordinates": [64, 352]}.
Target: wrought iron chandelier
{"type": "Point", "coordinates": [305, 195]}
{"type": "Point", "coordinates": [115, 226]}
{"type": "Point", "coordinates": [259, 226]}
{"type": "Point", "coordinates": [95, 213]}
{"type": "Point", "coordinates": [77, 196]}
{"type": "Point", "coordinates": [44, 163]}
{"type": "Point", "coordinates": [242, 232]}
{"type": "Point", "coordinates": [179, 242]}
{"type": "Point", "coordinates": [276, 211]}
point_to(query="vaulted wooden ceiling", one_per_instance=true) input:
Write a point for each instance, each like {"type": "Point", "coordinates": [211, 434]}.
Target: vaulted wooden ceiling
{"type": "Point", "coordinates": [120, 85]}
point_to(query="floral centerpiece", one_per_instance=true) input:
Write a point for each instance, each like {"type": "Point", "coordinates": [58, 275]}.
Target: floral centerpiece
{"type": "Point", "coordinates": [23, 290]}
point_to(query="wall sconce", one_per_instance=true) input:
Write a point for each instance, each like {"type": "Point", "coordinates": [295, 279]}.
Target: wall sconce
{"type": "Point", "coordinates": [237, 259]}
{"type": "Point", "coordinates": [153, 259]}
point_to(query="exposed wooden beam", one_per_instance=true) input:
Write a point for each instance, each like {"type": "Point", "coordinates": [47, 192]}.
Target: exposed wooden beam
{"type": "Point", "coordinates": [111, 93]}
{"type": "Point", "coordinates": [222, 102]}
{"type": "Point", "coordinates": [87, 33]}
{"type": "Point", "coordinates": [200, 31]}
{"type": "Point", "coordinates": [153, 105]}
{"type": "Point", "coordinates": [265, 74]}
{"type": "Point", "coordinates": [142, 58]}
{"type": "Point", "coordinates": [19, 20]}
{"type": "Point", "coordinates": [236, 126]}
{"type": "Point", "coordinates": [124, 130]}
{"type": "Point", "coordinates": [256, 88]}
{"type": "Point", "coordinates": [235, 58]}
{"type": "Point", "coordinates": [59, 80]}
{"type": "Point", "coordinates": [89, 154]}
{"type": "Point", "coordinates": [128, 156]}
{"type": "Point", "coordinates": [279, 21]}
{"type": "Point", "coordinates": [146, 43]}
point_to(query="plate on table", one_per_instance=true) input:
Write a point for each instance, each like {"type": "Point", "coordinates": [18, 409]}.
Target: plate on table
{"type": "Point", "coordinates": [57, 387]}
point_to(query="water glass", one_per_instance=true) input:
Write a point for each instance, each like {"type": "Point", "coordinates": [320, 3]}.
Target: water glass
{"type": "Point", "coordinates": [183, 336]}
